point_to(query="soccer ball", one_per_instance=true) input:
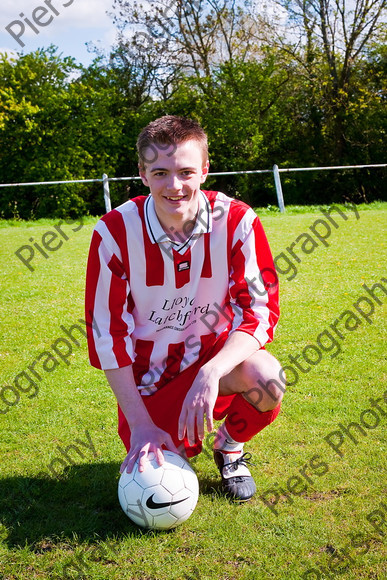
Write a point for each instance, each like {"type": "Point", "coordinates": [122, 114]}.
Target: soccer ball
{"type": "Point", "coordinates": [162, 496]}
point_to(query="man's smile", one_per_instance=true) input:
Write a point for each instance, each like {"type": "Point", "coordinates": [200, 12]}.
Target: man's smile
{"type": "Point", "coordinates": [175, 198]}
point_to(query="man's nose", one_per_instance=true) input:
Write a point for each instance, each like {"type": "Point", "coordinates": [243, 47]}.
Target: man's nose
{"type": "Point", "coordinates": [174, 183]}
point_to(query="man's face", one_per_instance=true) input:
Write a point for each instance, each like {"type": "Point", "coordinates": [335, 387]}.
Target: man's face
{"type": "Point", "coordinates": [174, 179]}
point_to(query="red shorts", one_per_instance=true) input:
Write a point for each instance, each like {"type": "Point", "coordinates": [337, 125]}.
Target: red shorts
{"type": "Point", "coordinates": [165, 405]}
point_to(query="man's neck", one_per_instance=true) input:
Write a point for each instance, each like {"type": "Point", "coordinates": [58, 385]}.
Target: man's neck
{"type": "Point", "coordinates": [179, 230]}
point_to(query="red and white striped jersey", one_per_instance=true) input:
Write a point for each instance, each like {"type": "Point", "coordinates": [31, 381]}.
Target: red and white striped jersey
{"type": "Point", "coordinates": [159, 304]}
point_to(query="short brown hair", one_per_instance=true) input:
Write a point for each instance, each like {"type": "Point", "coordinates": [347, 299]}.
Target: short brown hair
{"type": "Point", "coordinates": [170, 130]}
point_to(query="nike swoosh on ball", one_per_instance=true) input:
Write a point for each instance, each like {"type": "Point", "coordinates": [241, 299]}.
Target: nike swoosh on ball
{"type": "Point", "coordinates": [154, 506]}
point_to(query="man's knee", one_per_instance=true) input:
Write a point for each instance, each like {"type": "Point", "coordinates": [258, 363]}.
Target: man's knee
{"type": "Point", "coordinates": [274, 391]}
{"type": "Point", "coordinates": [267, 389]}
{"type": "Point", "coordinates": [265, 396]}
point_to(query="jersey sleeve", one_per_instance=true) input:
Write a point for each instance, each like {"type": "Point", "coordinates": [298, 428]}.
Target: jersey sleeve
{"type": "Point", "coordinates": [108, 317]}
{"type": "Point", "coordinates": [253, 284]}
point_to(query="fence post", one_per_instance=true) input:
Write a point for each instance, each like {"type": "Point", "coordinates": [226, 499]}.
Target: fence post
{"type": "Point", "coordinates": [106, 192]}
{"type": "Point", "coordinates": [278, 188]}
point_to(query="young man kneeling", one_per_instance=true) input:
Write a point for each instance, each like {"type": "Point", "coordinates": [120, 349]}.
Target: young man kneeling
{"type": "Point", "coordinates": [182, 296]}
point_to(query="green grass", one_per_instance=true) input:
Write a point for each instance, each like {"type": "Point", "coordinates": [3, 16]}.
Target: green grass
{"type": "Point", "coordinates": [50, 524]}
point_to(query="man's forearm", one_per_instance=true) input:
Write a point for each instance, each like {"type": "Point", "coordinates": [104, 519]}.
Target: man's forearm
{"type": "Point", "coordinates": [129, 399]}
{"type": "Point", "coordinates": [238, 347]}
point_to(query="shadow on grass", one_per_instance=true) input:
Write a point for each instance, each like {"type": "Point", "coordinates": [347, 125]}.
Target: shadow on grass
{"type": "Point", "coordinates": [210, 486]}
{"type": "Point", "coordinates": [82, 503]}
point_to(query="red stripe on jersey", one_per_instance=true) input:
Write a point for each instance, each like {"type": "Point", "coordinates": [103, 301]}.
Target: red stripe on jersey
{"type": "Point", "coordinates": [182, 265]}
{"type": "Point", "coordinates": [92, 276]}
{"type": "Point", "coordinates": [117, 229]}
{"type": "Point", "coordinates": [211, 196]}
{"type": "Point", "coordinates": [242, 294]}
{"type": "Point", "coordinates": [154, 276]}
{"type": "Point", "coordinates": [117, 297]}
{"type": "Point", "coordinates": [246, 294]}
{"type": "Point", "coordinates": [143, 349]}
{"type": "Point", "coordinates": [234, 217]}
{"type": "Point", "coordinates": [172, 363]}
{"type": "Point", "coordinates": [207, 341]}
{"type": "Point", "coordinates": [236, 213]}
{"type": "Point", "coordinates": [207, 269]}
{"type": "Point", "coordinates": [268, 275]}
{"type": "Point", "coordinates": [237, 248]}
{"type": "Point", "coordinates": [153, 254]}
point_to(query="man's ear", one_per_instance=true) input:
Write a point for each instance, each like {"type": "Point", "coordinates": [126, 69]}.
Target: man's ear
{"type": "Point", "coordinates": [141, 170]}
{"type": "Point", "coordinates": [205, 170]}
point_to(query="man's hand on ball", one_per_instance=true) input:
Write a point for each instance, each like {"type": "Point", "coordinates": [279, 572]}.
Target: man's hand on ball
{"type": "Point", "coordinates": [143, 441]}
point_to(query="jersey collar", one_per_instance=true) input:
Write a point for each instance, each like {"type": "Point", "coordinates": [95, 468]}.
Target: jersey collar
{"type": "Point", "coordinates": [157, 234]}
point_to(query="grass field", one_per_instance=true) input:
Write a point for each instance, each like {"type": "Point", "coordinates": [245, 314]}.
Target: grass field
{"type": "Point", "coordinates": [320, 511]}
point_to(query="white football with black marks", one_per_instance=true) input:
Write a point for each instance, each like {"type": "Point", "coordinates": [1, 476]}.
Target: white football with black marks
{"type": "Point", "coordinates": [162, 496]}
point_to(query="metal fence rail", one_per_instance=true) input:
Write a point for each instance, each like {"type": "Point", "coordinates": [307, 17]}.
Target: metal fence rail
{"type": "Point", "coordinates": [275, 171]}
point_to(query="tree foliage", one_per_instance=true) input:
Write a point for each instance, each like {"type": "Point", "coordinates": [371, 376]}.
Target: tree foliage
{"type": "Point", "coordinates": [304, 86]}
{"type": "Point", "coordinates": [329, 40]}
{"type": "Point", "coordinates": [185, 37]}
